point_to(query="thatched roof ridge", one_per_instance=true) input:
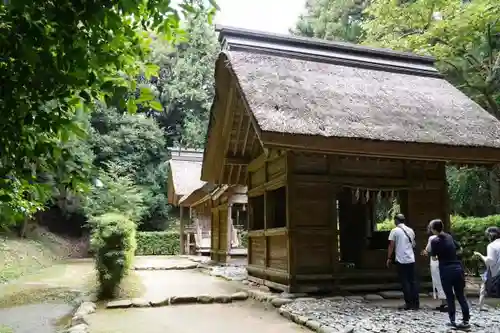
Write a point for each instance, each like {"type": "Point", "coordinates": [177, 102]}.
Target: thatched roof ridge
{"type": "Point", "coordinates": [404, 101]}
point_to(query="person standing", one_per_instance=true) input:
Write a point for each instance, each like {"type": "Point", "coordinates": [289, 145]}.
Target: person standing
{"type": "Point", "coordinates": [437, 288]}
{"type": "Point", "coordinates": [402, 244]}
{"type": "Point", "coordinates": [444, 248]}
{"type": "Point", "coordinates": [491, 277]}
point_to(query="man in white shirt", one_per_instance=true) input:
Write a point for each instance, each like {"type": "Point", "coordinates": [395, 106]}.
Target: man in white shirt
{"type": "Point", "coordinates": [491, 278]}
{"type": "Point", "coordinates": [402, 242]}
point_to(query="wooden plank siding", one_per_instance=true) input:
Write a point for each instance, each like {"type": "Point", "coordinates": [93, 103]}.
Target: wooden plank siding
{"type": "Point", "coordinates": [304, 253]}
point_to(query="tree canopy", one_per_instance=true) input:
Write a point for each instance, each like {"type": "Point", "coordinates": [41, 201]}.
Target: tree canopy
{"type": "Point", "coordinates": [464, 37]}
{"type": "Point", "coordinates": [59, 58]}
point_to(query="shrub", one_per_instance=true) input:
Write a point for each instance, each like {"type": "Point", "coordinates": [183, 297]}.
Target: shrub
{"type": "Point", "coordinates": [113, 242]}
{"type": "Point", "coordinates": [158, 243]}
{"type": "Point", "coordinates": [244, 238]}
{"type": "Point", "coordinates": [469, 232]}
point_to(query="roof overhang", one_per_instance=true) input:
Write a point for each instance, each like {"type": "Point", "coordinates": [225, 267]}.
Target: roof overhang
{"type": "Point", "coordinates": [382, 149]}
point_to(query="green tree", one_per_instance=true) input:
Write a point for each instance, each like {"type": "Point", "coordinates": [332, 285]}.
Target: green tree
{"type": "Point", "coordinates": [137, 146]}
{"type": "Point", "coordinates": [333, 20]}
{"type": "Point", "coordinates": [464, 37]}
{"type": "Point", "coordinates": [59, 56]}
{"type": "Point", "coordinates": [186, 80]}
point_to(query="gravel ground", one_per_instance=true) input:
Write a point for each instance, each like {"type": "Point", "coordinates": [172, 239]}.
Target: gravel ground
{"type": "Point", "coordinates": [237, 273]}
{"type": "Point", "coordinates": [361, 317]}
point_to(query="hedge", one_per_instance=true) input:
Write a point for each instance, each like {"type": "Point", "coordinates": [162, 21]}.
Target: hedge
{"type": "Point", "coordinates": [113, 244]}
{"type": "Point", "coordinates": [469, 232]}
{"type": "Point", "coordinates": [157, 243]}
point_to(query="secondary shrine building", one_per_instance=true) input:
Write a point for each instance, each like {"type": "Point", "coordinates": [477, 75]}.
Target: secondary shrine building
{"type": "Point", "coordinates": [324, 134]}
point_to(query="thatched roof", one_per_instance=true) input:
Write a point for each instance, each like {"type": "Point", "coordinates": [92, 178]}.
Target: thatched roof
{"type": "Point", "coordinates": [302, 86]}
{"type": "Point", "coordinates": [186, 176]}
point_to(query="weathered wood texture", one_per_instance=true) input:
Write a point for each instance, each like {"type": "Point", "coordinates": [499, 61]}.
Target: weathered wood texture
{"type": "Point", "coordinates": [320, 247]}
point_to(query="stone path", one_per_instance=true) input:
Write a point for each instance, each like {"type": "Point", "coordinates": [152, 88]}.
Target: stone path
{"type": "Point", "coordinates": [244, 317]}
{"type": "Point", "coordinates": [171, 287]}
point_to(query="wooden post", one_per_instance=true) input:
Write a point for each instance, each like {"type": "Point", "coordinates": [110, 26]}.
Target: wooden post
{"type": "Point", "coordinates": [182, 228]}
{"type": "Point", "coordinates": [229, 229]}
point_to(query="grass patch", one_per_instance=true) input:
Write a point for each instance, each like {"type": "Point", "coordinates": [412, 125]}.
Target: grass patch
{"type": "Point", "coordinates": [38, 294]}
{"type": "Point", "coordinates": [19, 257]}
{"type": "Point", "coordinates": [5, 329]}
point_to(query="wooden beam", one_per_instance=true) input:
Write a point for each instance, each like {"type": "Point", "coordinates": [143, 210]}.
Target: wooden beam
{"type": "Point", "coordinates": [237, 160]}
{"type": "Point", "coordinates": [226, 129]}
{"type": "Point", "coordinates": [245, 140]}
{"type": "Point", "coordinates": [181, 232]}
{"type": "Point", "coordinates": [238, 131]}
{"type": "Point", "coordinates": [381, 149]}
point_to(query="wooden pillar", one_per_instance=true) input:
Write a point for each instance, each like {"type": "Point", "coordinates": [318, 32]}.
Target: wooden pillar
{"type": "Point", "coordinates": [182, 228]}
{"type": "Point", "coordinates": [229, 230]}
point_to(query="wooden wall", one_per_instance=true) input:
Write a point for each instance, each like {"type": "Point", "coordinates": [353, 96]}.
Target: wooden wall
{"type": "Point", "coordinates": [268, 243]}
{"type": "Point", "coordinates": [303, 254]}
{"type": "Point", "coordinates": [221, 221]}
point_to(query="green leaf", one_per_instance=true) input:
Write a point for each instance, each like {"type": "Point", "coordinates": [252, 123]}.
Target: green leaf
{"type": "Point", "coordinates": [156, 105]}
{"type": "Point", "coordinates": [150, 70]}
{"type": "Point", "coordinates": [131, 106]}
{"type": "Point", "coordinates": [77, 130]}
{"type": "Point", "coordinates": [146, 94]}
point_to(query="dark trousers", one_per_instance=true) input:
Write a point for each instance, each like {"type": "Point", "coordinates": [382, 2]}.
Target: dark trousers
{"type": "Point", "coordinates": [408, 279]}
{"type": "Point", "coordinates": [453, 282]}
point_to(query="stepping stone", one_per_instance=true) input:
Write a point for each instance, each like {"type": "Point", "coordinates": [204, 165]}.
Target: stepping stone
{"type": "Point", "coordinates": [292, 295]}
{"type": "Point", "coordinates": [140, 303]}
{"type": "Point", "coordinates": [239, 296]}
{"type": "Point", "coordinates": [183, 300]}
{"type": "Point", "coordinates": [222, 299]}
{"type": "Point", "coordinates": [373, 297]}
{"type": "Point", "coordinates": [160, 302]}
{"type": "Point", "coordinates": [121, 304]}
{"type": "Point", "coordinates": [79, 319]}
{"type": "Point", "coordinates": [205, 299]}
{"type": "Point", "coordinates": [278, 302]}
{"type": "Point", "coordinates": [391, 294]}
{"type": "Point", "coordinates": [313, 325]}
{"type": "Point", "coordinates": [81, 328]}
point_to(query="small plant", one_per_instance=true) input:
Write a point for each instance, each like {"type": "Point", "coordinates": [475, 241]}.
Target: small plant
{"type": "Point", "coordinates": [113, 242]}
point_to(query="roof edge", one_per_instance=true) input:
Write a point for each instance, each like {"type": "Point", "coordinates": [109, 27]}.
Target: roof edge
{"type": "Point", "coordinates": [384, 149]}
{"type": "Point", "coordinates": [311, 49]}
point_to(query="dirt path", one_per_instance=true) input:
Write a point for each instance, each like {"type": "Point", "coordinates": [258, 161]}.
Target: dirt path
{"type": "Point", "coordinates": [243, 317]}
{"type": "Point", "coordinates": [248, 316]}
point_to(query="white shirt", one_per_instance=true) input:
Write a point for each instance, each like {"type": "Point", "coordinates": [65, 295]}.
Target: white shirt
{"type": "Point", "coordinates": [403, 246]}
{"type": "Point", "coordinates": [492, 259]}
{"type": "Point", "coordinates": [428, 249]}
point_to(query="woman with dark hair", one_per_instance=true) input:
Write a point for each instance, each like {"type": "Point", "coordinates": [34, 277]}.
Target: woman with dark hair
{"type": "Point", "coordinates": [437, 288]}
{"type": "Point", "coordinates": [444, 248]}
{"type": "Point", "coordinates": [491, 277]}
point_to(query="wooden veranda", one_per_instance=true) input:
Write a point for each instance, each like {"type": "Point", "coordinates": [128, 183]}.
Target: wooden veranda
{"type": "Point", "coordinates": [223, 212]}
{"type": "Point", "coordinates": [321, 134]}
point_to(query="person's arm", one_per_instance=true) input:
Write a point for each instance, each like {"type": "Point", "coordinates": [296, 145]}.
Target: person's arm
{"type": "Point", "coordinates": [427, 247]}
{"type": "Point", "coordinates": [487, 259]}
{"type": "Point", "coordinates": [390, 248]}
{"type": "Point", "coordinates": [433, 253]}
